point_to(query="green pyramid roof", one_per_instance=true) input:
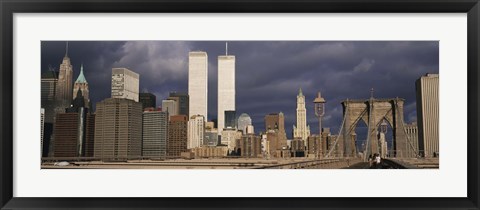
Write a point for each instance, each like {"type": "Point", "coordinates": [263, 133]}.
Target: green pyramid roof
{"type": "Point", "coordinates": [81, 77]}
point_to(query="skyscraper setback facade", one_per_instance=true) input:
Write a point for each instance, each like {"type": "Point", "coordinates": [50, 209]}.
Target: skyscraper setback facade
{"type": "Point", "coordinates": [64, 85]}
{"type": "Point", "coordinates": [427, 114]}
{"type": "Point", "coordinates": [301, 130]}
{"type": "Point", "coordinates": [198, 83]}
{"type": "Point", "coordinates": [125, 84]}
{"type": "Point", "coordinates": [226, 87]}
{"type": "Point", "coordinates": [183, 102]}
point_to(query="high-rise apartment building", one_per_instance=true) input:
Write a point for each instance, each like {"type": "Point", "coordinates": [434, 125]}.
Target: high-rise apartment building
{"type": "Point", "coordinates": [148, 100]}
{"type": "Point", "coordinates": [177, 135]}
{"type": "Point", "coordinates": [198, 83]}
{"type": "Point", "coordinates": [125, 84]}
{"type": "Point", "coordinates": [155, 134]}
{"type": "Point", "coordinates": [275, 121]}
{"type": "Point", "coordinates": [183, 102]}
{"type": "Point", "coordinates": [427, 114]}
{"type": "Point", "coordinates": [226, 87]}
{"type": "Point", "coordinates": [196, 131]}
{"type": "Point", "coordinates": [301, 130]}
{"type": "Point", "coordinates": [82, 85]}
{"type": "Point", "coordinates": [118, 129]}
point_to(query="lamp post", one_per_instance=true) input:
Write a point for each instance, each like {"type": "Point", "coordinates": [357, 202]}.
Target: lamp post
{"type": "Point", "coordinates": [319, 112]}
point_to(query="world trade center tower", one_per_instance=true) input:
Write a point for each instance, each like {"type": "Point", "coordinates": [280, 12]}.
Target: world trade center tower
{"type": "Point", "coordinates": [197, 83]}
{"type": "Point", "coordinates": [226, 87]}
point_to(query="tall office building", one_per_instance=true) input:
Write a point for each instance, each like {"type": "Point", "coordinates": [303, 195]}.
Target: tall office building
{"type": "Point", "coordinates": [170, 106]}
{"type": "Point", "coordinates": [243, 121]}
{"type": "Point", "coordinates": [427, 114]}
{"type": "Point", "coordinates": [177, 136]}
{"type": "Point", "coordinates": [198, 83]}
{"type": "Point", "coordinates": [148, 100]}
{"type": "Point", "coordinates": [230, 119]}
{"type": "Point", "coordinates": [125, 84]}
{"type": "Point", "coordinates": [249, 146]}
{"type": "Point", "coordinates": [42, 126]}
{"type": "Point", "coordinates": [155, 133]}
{"type": "Point", "coordinates": [48, 88]}
{"type": "Point", "coordinates": [72, 133]}
{"type": "Point", "coordinates": [301, 130]}
{"type": "Point", "coordinates": [226, 87]}
{"type": "Point", "coordinates": [82, 85]}
{"type": "Point", "coordinates": [183, 102]}
{"type": "Point", "coordinates": [118, 129]}
{"type": "Point", "coordinates": [64, 86]}
{"type": "Point", "coordinates": [412, 138]}
{"type": "Point", "coordinates": [275, 121]}
{"type": "Point", "coordinates": [196, 131]}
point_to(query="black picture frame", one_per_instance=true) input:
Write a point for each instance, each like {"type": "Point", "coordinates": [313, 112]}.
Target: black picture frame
{"type": "Point", "coordinates": [10, 7]}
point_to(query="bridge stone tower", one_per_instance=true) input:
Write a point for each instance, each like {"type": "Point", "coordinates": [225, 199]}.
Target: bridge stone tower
{"type": "Point", "coordinates": [372, 111]}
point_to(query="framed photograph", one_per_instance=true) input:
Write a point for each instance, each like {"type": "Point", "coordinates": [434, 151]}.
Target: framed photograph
{"type": "Point", "coordinates": [239, 105]}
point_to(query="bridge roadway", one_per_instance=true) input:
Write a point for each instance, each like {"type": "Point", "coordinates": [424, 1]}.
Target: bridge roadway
{"type": "Point", "coordinates": [236, 163]}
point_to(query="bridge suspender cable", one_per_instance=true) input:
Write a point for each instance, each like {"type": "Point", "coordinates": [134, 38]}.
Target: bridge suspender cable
{"type": "Point", "coordinates": [405, 132]}
{"type": "Point", "coordinates": [339, 132]}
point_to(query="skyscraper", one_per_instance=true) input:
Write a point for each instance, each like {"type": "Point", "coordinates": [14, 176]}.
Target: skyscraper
{"type": "Point", "coordinates": [230, 119]}
{"type": "Point", "coordinates": [275, 121]}
{"type": "Point", "coordinates": [170, 106]}
{"type": "Point", "coordinates": [196, 131]}
{"type": "Point", "coordinates": [412, 138]}
{"type": "Point", "coordinates": [72, 133]}
{"type": "Point", "coordinates": [183, 102]}
{"type": "Point", "coordinates": [427, 114]}
{"type": "Point", "coordinates": [64, 86]}
{"type": "Point", "coordinates": [301, 130]}
{"type": "Point", "coordinates": [243, 121]}
{"type": "Point", "coordinates": [118, 129]}
{"type": "Point", "coordinates": [198, 83]}
{"type": "Point", "coordinates": [42, 122]}
{"type": "Point", "coordinates": [177, 136]}
{"type": "Point", "coordinates": [48, 88]}
{"type": "Point", "coordinates": [125, 84]}
{"type": "Point", "coordinates": [148, 100]}
{"type": "Point", "coordinates": [82, 85]}
{"type": "Point", "coordinates": [226, 87]}
{"type": "Point", "coordinates": [155, 133]}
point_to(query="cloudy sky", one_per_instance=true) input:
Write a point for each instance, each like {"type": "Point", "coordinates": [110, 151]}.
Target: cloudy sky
{"type": "Point", "coordinates": [268, 73]}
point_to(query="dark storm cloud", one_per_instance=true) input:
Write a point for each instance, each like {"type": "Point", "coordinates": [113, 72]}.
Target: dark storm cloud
{"type": "Point", "coordinates": [268, 74]}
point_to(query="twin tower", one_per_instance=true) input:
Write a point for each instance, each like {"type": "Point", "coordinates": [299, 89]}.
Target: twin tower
{"type": "Point", "coordinates": [198, 85]}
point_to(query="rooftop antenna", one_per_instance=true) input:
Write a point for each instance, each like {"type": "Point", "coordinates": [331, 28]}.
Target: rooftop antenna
{"type": "Point", "coordinates": [226, 48]}
{"type": "Point", "coordinates": [66, 50]}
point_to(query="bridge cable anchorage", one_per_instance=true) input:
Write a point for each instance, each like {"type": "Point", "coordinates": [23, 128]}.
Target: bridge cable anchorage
{"type": "Point", "coordinates": [405, 132]}
{"type": "Point", "coordinates": [339, 132]}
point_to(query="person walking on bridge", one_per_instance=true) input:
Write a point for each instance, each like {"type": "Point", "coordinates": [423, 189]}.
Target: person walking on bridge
{"type": "Point", "coordinates": [378, 161]}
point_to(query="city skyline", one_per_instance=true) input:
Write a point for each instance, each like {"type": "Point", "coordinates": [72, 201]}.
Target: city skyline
{"type": "Point", "coordinates": [340, 70]}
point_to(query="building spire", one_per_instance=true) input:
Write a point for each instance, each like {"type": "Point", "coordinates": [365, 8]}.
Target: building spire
{"type": "Point", "coordinates": [81, 77]}
{"type": "Point", "coordinates": [226, 48]}
{"type": "Point", "coordinates": [300, 93]}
